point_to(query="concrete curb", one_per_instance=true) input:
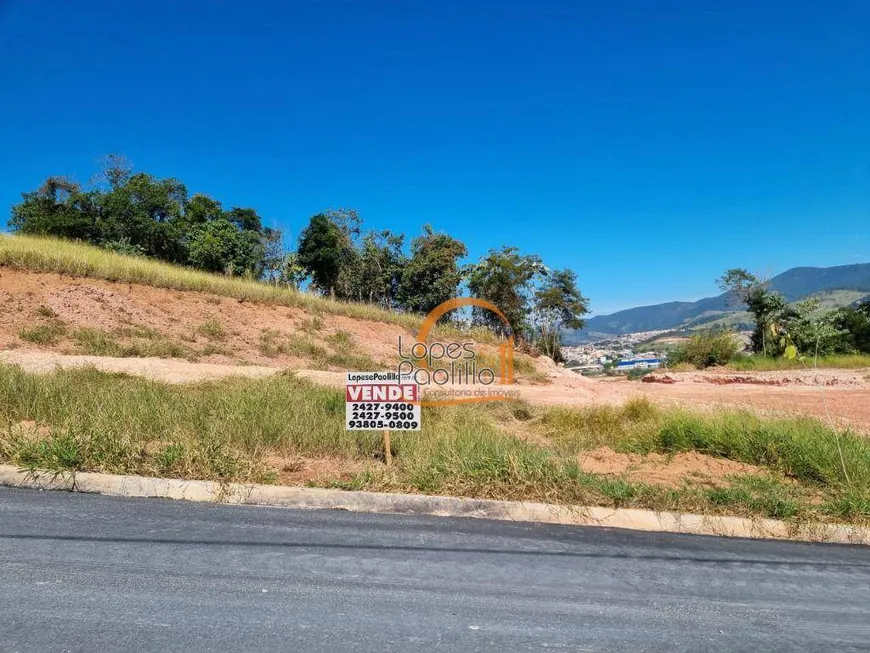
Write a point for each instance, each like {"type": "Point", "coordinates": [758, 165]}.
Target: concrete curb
{"type": "Point", "coordinates": [417, 504]}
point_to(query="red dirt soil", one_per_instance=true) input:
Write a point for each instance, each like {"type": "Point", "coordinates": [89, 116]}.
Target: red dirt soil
{"type": "Point", "coordinates": [77, 302]}
{"type": "Point", "coordinates": [655, 469]}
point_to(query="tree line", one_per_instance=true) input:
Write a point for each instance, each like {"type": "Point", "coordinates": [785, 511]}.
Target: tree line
{"type": "Point", "coordinates": [802, 328]}
{"type": "Point", "coordinates": [139, 214]}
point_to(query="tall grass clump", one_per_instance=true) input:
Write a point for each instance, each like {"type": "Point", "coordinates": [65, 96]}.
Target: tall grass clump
{"type": "Point", "coordinates": [47, 333]}
{"type": "Point", "coordinates": [706, 349]}
{"type": "Point", "coordinates": [803, 449]}
{"type": "Point", "coordinates": [119, 424]}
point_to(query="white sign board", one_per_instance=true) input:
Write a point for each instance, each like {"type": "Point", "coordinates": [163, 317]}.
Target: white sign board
{"type": "Point", "coordinates": [381, 401]}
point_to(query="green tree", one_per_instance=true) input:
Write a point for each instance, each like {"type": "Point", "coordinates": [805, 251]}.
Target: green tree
{"type": "Point", "coordinates": [59, 208]}
{"type": "Point", "coordinates": [810, 331]}
{"type": "Point", "coordinates": [291, 273]}
{"type": "Point", "coordinates": [378, 267]}
{"type": "Point", "coordinates": [854, 321]}
{"type": "Point", "coordinates": [558, 304]}
{"type": "Point", "coordinates": [202, 208]}
{"type": "Point", "coordinates": [219, 246]}
{"type": "Point", "coordinates": [507, 279]}
{"type": "Point", "coordinates": [141, 214]}
{"type": "Point", "coordinates": [765, 305]}
{"type": "Point", "coordinates": [323, 250]}
{"type": "Point", "coordinates": [147, 212]}
{"type": "Point", "coordinates": [432, 274]}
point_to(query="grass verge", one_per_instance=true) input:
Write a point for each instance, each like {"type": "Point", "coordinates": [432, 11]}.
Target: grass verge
{"type": "Point", "coordinates": [230, 431]}
{"type": "Point", "coordinates": [767, 364]}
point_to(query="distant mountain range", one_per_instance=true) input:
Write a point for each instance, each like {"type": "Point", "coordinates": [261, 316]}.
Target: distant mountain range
{"type": "Point", "coordinates": [835, 286]}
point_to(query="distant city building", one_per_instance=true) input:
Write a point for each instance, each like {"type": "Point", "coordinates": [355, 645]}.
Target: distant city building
{"type": "Point", "coordinates": [639, 364]}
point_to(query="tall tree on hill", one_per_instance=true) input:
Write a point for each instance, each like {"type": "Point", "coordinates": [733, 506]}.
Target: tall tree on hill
{"type": "Point", "coordinates": [507, 279]}
{"type": "Point", "coordinates": [432, 275]}
{"type": "Point", "coordinates": [146, 212]}
{"type": "Point", "coordinates": [58, 208]}
{"type": "Point", "coordinates": [323, 251]}
{"type": "Point", "coordinates": [219, 246]}
{"type": "Point", "coordinates": [765, 305]}
{"type": "Point", "coordinates": [291, 272]}
{"type": "Point", "coordinates": [558, 304]}
{"type": "Point", "coordinates": [378, 268]}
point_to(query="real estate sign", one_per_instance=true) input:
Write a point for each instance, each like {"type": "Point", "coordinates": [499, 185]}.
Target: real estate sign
{"type": "Point", "coordinates": [381, 401]}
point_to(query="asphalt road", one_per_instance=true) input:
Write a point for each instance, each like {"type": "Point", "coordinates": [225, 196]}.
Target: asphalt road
{"type": "Point", "coordinates": [82, 572]}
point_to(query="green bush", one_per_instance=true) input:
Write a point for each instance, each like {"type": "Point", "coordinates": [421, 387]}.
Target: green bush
{"type": "Point", "coordinates": [707, 348]}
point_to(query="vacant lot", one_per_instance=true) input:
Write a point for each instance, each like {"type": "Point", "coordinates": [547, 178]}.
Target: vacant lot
{"type": "Point", "coordinates": [208, 377]}
{"type": "Point", "coordinates": [283, 429]}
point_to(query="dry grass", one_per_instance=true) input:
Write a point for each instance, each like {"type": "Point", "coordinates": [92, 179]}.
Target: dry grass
{"type": "Point", "coordinates": [230, 430]}
{"type": "Point", "coordinates": [76, 259]}
{"type": "Point", "coordinates": [767, 364]}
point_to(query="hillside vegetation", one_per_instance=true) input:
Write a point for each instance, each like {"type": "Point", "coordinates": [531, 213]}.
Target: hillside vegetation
{"type": "Point", "coordinates": [64, 296]}
{"type": "Point", "coordinates": [67, 257]}
{"type": "Point", "coordinates": [335, 256]}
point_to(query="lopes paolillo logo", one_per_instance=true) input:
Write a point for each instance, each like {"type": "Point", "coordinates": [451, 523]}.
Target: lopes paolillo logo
{"type": "Point", "coordinates": [452, 372]}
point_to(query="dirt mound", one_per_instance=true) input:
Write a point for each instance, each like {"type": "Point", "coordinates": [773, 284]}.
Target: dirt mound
{"type": "Point", "coordinates": [656, 469]}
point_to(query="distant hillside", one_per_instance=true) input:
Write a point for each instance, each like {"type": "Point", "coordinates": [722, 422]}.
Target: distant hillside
{"type": "Point", "coordinates": [835, 286]}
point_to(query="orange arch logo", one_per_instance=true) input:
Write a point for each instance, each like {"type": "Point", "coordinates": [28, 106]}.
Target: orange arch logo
{"type": "Point", "coordinates": [505, 350]}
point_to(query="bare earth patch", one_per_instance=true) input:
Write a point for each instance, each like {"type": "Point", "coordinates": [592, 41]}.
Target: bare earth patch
{"type": "Point", "coordinates": [300, 471]}
{"type": "Point", "coordinates": [669, 471]}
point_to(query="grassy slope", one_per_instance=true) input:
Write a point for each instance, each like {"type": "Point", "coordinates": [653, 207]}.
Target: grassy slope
{"type": "Point", "coordinates": [66, 257]}
{"type": "Point", "coordinates": [76, 259]}
{"type": "Point", "coordinates": [229, 430]}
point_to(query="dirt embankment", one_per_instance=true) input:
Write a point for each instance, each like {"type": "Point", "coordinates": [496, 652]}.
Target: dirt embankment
{"type": "Point", "coordinates": [226, 337]}
{"type": "Point", "coordinates": [213, 329]}
{"type": "Point", "coordinates": [201, 327]}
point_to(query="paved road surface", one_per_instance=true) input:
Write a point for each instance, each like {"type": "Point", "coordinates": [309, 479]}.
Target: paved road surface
{"type": "Point", "coordinates": [81, 572]}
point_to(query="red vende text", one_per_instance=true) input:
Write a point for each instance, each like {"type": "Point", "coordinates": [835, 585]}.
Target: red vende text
{"type": "Point", "coordinates": [382, 392]}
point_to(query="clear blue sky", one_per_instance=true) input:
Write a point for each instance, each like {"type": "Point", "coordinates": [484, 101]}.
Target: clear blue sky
{"type": "Point", "coordinates": [647, 145]}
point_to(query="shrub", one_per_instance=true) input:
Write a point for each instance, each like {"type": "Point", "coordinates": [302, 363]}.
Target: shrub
{"type": "Point", "coordinates": [707, 348]}
{"type": "Point", "coordinates": [124, 247]}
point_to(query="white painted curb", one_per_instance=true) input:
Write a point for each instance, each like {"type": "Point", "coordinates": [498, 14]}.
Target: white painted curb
{"type": "Point", "coordinates": [417, 504]}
